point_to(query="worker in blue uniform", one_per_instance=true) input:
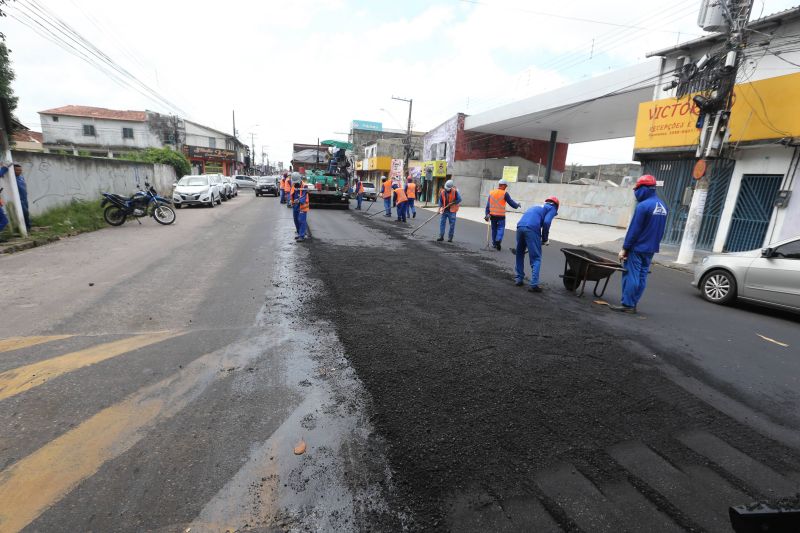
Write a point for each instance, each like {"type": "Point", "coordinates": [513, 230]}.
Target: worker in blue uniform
{"type": "Point", "coordinates": [641, 242]}
{"type": "Point", "coordinates": [496, 211]}
{"type": "Point", "coordinates": [449, 202]}
{"type": "Point", "coordinates": [294, 199]}
{"type": "Point", "coordinates": [533, 230]}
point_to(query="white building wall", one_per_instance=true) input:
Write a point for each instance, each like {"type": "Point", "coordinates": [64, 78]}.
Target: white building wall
{"type": "Point", "coordinates": [197, 135]}
{"type": "Point", "coordinates": [69, 131]}
{"type": "Point", "coordinates": [759, 160]}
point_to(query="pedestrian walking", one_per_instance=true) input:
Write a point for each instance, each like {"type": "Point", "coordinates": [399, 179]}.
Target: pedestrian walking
{"type": "Point", "coordinates": [496, 211]}
{"type": "Point", "coordinates": [411, 190]}
{"type": "Point", "coordinates": [641, 242]}
{"type": "Point", "coordinates": [449, 202]}
{"type": "Point", "coordinates": [386, 192]}
{"type": "Point", "coordinates": [401, 202]}
{"type": "Point", "coordinates": [533, 230]}
{"type": "Point", "coordinates": [23, 191]}
{"type": "Point", "coordinates": [358, 190]}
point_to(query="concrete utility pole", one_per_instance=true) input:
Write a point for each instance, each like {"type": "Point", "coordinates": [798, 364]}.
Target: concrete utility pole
{"type": "Point", "coordinates": [715, 111]}
{"type": "Point", "coordinates": [5, 128]}
{"type": "Point", "coordinates": [252, 150]}
{"type": "Point", "coordinates": [408, 132]}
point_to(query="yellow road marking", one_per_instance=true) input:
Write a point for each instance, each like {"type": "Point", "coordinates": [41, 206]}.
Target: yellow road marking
{"type": "Point", "coordinates": [34, 483]}
{"type": "Point", "coordinates": [779, 343]}
{"type": "Point", "coordinates": [15, 343]}
{"type": "Point", "coordinates": [26, 377]}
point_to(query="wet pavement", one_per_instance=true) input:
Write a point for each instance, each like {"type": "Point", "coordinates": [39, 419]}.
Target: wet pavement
{"type": "Point", "coordinates": [428, 392]}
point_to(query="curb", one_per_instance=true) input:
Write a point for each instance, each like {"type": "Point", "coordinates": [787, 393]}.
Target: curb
{"type": "Point", "coordinates": [19, 246]}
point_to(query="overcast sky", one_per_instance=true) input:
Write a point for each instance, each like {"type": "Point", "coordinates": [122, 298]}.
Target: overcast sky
{"type": "Point", "coordinates": [301, 69]}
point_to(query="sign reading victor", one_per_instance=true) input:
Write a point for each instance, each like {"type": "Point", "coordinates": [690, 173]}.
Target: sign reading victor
{"type": "Point", "coordinates": [761, 110]}
{"type": "Point", "coordinates": [208, 153]}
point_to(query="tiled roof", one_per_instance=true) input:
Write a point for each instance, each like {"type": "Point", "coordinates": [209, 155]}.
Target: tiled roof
{"type": "Point", "coordinates": [27, 137]}
{"type": "Point", "coordinates": [96, 112]}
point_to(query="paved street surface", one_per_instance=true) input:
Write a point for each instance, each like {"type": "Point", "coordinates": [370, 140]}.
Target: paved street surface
{"type": "Point", "coordinates": [160, 378]}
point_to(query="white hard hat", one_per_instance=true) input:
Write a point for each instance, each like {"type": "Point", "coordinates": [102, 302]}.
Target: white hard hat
{"type": "Point", "coordinates": [448, 185]}
{"type": "Point", "coordinates": [296, 177]}
{"type": "Point", "coordinates": [502, 182]}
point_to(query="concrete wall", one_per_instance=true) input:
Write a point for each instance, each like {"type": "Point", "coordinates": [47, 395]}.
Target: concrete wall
{"type": "Point", "coordinates": [55, 180]}
{"type": "Point", "coordinates": [493, 169]}
{"type": "Point", "coordinates": [595, 204]}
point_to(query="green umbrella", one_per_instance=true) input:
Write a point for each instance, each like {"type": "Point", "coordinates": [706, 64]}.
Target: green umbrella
{"type": "Point", "coordinates": [338, 144]}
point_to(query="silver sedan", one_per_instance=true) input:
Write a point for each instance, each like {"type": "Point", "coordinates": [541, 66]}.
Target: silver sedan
{"type": "Point", "coordinates": [770, 276]}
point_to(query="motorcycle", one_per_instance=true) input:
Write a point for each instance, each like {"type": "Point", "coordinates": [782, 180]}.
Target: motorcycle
{"type": "Point", "coordinates": [143, 203]}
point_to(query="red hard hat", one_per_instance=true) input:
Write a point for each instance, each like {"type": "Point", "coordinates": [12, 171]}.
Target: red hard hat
{"type": "Point", "coordinates": [554, 200]}
{"type": "Point", "coordinates": [645, 181]}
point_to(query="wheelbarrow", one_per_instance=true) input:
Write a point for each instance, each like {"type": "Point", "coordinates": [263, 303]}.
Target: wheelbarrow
{"type": "Point", "coordinates": [581, 266]}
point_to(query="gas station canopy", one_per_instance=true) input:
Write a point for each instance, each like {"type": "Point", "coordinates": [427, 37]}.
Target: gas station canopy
{"type": "Point", "coordinates": [599, 108]}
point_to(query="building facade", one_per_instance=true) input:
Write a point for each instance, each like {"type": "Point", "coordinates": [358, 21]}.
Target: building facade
{"type": "Point", "coordinates": [750, 201]}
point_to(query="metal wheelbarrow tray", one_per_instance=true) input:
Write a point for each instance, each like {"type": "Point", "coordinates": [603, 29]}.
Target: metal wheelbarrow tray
{"type": "Point", "coordinates": [581, 266]}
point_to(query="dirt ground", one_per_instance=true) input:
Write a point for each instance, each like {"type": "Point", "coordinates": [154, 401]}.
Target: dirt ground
{"type": "Point", "coordinates": [478, 386]}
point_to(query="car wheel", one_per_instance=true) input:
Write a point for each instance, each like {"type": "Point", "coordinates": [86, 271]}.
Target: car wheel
{"type": "Point", "coordinates": [719, 287]}
{"type": "Point", "coordinates": [211, 203]}
{"type": "Point", "coordinates": [219, 199]}
{"type": "Point", "coordinates": [177, 206]}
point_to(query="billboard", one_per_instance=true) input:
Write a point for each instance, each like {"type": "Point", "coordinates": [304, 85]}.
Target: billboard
{"type": "Point", "coordinates": [367, 125]}
{"type": "Point", "coordinates": [761, 110]}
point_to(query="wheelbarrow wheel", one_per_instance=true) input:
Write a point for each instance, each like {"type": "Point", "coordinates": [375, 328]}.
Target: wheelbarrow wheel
{"type": "Point", "coordinates": [571, 284]}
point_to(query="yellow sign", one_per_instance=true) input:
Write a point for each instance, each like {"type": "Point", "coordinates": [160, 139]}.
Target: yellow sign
{"type": "Point", "coordinates": [510, 173]}
{"type": "Point", "coordinates": [761, 110]}
{"type": "Point", "coordinates": [380, 163]}
{"type": "Point", "coordinates": [359, 165]}
{"type": "Point", "coordinates": [439, 168]}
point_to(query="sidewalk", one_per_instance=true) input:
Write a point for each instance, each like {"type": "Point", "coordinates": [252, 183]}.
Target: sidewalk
{"type": "Point", "coordinates": [604, 238]}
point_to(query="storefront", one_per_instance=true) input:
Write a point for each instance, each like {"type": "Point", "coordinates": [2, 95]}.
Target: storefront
{"type": "Point", "coordinates": [211, 160]}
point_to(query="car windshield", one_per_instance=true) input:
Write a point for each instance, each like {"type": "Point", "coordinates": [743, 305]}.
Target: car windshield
{"type": "Point", "coordinates": [266, 180]}
{"type": "Point", "coordinates": [368, 185]}
{"type": "Point", "coordinates": [194, 180]}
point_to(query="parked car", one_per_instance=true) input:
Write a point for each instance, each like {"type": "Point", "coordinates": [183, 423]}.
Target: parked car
{"type": "Point", "coordinates": [370, 192]}
{"type": "Point", "coordinates": [234, 186]}
{"type": "Point", "coordinates": [266, 185]}
{"type": "Point", "coordinates": [196, 190]}
{"type": "Point", "coordinates": [219, 181]}
{"type": "Point", "coordinates": [770, 276]}
{"type": "Point", "coordinates": [245, 182]}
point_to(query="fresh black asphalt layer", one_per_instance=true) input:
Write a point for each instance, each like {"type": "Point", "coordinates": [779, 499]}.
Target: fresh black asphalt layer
{"type": "Point", "coordinates": [478, 387]}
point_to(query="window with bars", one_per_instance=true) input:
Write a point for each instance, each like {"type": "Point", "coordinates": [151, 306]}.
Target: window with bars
{"type": "Point", "coordinates": [127, 133]}
{"type": "Point", "coordinates": [89, 131]}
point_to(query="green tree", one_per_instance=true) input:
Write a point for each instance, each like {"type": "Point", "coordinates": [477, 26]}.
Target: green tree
{"type": "Point", "coordinates": [6, 77]}
{"type": "Point", "coordinates": [3, 14]}
{"type": "Point", "coordinates": [165, 156]}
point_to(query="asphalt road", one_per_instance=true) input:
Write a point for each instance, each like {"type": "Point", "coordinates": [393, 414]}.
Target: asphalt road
{"type": "Point", "coordinates": [160, 378]}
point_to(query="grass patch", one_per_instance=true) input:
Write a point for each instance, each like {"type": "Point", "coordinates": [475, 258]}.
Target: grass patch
{"type": "Point", "coordinates": [75, 217]}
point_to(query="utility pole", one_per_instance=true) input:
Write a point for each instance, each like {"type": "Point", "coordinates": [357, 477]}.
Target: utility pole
{"type": "Point", "coordinates": [5, 129]}
{"type": "Point", "coordinates": [252, 150]}
{"type": "Point", "coordinates": [716, 76]}
{"type": "Point", "coordinates": [408, 131]}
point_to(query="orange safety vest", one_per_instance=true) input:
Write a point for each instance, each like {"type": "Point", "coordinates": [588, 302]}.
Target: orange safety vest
{"type": "Point", "coordinates": [304, 202]}
{"type": "Point", "coordinates": [412, 190]}
{"type": "Point", "coordinates": [449, 198]}
{"type": "Point", "coordinates": [497, 203]}
{"type": "Point", "coordinates": [387, 189]}
{"type": "Point", "coordinates": [287, 184]}
{"type": "Point", "coordinates": [401, 195]}
{"type": "Point", "coordinates": [360, 189]}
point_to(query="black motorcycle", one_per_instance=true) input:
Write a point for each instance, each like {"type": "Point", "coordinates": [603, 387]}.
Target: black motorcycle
{"type": "Point", "coordinates": [144, 203]}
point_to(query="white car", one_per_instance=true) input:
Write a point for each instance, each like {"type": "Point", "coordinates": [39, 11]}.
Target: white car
{"type": "Point", "coordinates": [245, 182]}
{"type": "Point", "coordinates": [196, 190]}
{"type": "Point", "coordinates": [219, 181]}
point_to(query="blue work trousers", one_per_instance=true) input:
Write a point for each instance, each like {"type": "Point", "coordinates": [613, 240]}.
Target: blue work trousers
{"type": "Point", "coordinates": [3, 219]}
{"type": "Point", "coordinates": [447, 216]}
{"type": "Point", "coordinates": [402, 211]}
{"type": "Point", "coordinates": [296, 217]}
{"type": "Point", "coordinates": [634, 279]}
{"type": "Point", "coordinates": [498, 229]}
{"type": "Point", "coordinates": [302, 221]}
{"type": "Point", "coordinates": [387, 205]}
{"type": "Point", "coordinates": [359, 199]}
{"type": "Point", "coordinates": [530, 240]}
{"type": "Point", "coordinates": [410, 208]}
{"type": "Point", "coordinates": [283, 196]}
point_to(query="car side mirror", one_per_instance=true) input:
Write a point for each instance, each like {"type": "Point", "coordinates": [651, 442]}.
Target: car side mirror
{"type": "Point", "coordinates": [767, 252]}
